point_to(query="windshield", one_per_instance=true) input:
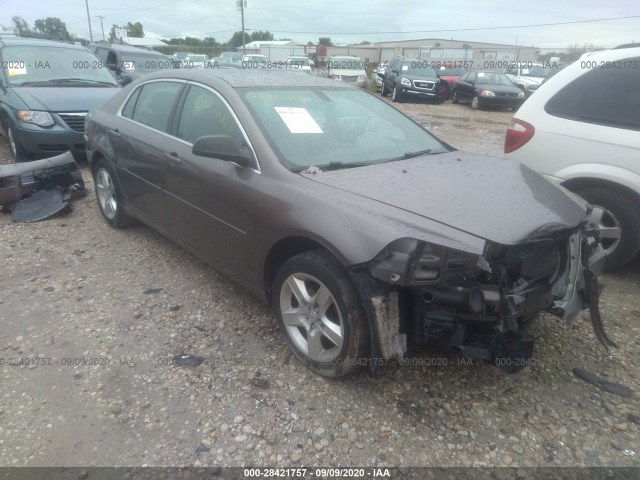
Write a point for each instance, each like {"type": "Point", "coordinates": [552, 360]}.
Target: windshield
{"type": "Point", "coordinates": [141, 63]}
{"type": "Point", "coordinates": [417, 68]}
{"type": "Point", "coordinates": [30, 64]}
{"type": "Point", "coordinates": [490, 78]}
{"type": "Point", "coordinates": [196, 58]}
{"type": "Point", "coordinates": [536, 71]}
{"type": "Point", "coordinates": [324, 126]}
{"type": "Point", "coordinates": [346, 63]}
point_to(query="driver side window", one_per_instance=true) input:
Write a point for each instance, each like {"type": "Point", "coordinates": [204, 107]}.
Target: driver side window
{"type": "Point", "coordinates": [204, 113]}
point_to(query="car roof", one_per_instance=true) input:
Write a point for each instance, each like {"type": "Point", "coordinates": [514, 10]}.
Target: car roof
{"type": "Point", "coordinates": [38, 42]}
{"type": "Point", "coordinates": [243, 78]}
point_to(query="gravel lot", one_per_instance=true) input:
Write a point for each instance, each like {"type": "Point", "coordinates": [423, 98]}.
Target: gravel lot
{"type": "Point", "coordinates": [73, 288]}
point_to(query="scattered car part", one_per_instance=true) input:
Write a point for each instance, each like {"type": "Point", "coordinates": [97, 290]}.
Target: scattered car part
{"type": "Point", "coordinates": [601, 383]}
{"type": "Point", "coordinates": [39, 189]}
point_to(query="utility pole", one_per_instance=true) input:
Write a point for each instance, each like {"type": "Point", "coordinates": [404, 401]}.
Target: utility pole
{"type": "Point", "coordinates": [101, 25]}
{"type": "Point", "coordinates": [86, 2]}
{"type": "Point", "coordinates": [242, 4]}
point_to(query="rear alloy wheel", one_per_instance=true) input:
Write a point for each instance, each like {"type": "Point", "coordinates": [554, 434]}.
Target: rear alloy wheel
{"type": "Point", "coordinates": [109, 198]}
{"type": "Point", "coordinates": [475, 103]}
{"type": "Point", "coordinates": [320, 314]}
{"type": "Point", "coordinates": [617, 218]}
{"type": "Point", "coordinates": [15, 147]}
{"type": "Point", "coordinates": [395, 95]}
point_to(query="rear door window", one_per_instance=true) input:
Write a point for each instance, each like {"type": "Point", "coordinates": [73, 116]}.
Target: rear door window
{"type": "Point", "coordinates": [607, 96]}
{"type": "Point", "coordinates": [154, 104]}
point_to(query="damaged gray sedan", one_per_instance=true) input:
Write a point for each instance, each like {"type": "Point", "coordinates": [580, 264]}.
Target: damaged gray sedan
{"type": "Point", "coordinates": [363, 230]}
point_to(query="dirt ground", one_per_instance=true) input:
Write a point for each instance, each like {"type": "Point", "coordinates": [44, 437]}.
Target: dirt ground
{"type": "Point", "coordinates": [91, 319]}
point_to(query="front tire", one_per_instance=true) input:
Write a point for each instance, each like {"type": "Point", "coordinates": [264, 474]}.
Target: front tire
{"type": "Point", "coordinates": [617, 217]}
{"type": "Point", "coordinates": [396, 95]}
{"type": "Point", "coordinates": [16, 149]}
{"type": "Point", "coordinates": [109, 196]}
{"type": "Point", "coordinates": [320, 313]}
{"type": "Point", "coordinates": [475, 103]}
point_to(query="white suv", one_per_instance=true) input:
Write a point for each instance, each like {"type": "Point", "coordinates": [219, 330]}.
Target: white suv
{"type": "Point", "coordinates": [581, 129]}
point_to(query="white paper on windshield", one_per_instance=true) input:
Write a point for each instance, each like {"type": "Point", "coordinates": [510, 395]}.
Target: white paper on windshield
{"type": "Point", "coordinates": [17, 70]}
{"type": "Point", "coordinates": [480, 74]}
{"type": "Point", "coordinates": [298, 120]}
{"type": "Point", "coordinates": [405, 68]}
{"type": "Point", "coordinates": [129, 65]}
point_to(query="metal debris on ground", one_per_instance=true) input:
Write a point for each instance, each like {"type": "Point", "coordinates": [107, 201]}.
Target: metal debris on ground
{"type": "Point", "coordinates": [40, 189]}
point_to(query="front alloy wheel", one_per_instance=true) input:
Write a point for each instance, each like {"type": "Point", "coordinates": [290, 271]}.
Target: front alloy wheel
{"type": "Point", "coordinates": [320, 314]}
{"type": "Point", "coordinates": [109, 198]}
{"type": "Point", "coordinates": [475, 103]}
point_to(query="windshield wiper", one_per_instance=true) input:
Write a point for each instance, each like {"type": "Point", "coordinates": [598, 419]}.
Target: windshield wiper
{"type": "Point", "coordinates": [341, 165]}
{"type": "Point", "coordinates": [409, 155]}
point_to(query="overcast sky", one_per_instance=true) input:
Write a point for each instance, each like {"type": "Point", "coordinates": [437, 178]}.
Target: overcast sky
{"type": "Point", "coordinates": [353, 21]}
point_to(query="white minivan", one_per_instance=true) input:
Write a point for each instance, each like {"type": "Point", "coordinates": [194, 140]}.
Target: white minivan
{"type": "Point", "coordinates": [581, 129]}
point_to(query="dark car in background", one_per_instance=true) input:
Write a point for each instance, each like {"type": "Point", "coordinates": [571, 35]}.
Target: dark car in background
{"type": "Point", "coordinates": [46, 89]}
{"type": "Point", "coordinates": [487, 89]}
{"type": "Point", "coordinates": [362, 229]}
{"type": "Point", "coordinates": [407, 78]}
{"type": "Point", "coordinates": [129, 62]}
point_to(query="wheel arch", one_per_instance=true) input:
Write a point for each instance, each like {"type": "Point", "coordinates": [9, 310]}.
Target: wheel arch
{"type": "Point", "coordinates": [283, 250]}
{"type": "Point", "coordinates": [580, 183]}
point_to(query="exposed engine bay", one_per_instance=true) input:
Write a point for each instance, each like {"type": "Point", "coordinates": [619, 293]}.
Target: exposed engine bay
{"type": "Point", "coordinates": [481, 305]}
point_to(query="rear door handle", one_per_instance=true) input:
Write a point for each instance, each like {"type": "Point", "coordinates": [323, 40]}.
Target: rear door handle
{"type": "Point", "coordinates": [115, 132]}
{"type": "Point", "coordinates": [173, 157]}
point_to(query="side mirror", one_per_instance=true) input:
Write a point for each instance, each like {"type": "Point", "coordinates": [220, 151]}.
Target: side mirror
{"type": "Point", "coordinates": [125, 79]}
{"type": "Point", "coordinates": [224, 148]}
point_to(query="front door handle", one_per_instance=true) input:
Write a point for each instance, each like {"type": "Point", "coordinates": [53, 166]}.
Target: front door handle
{"type": "Point", "coordinates": [115, 132]}
{"type": "Point", "coordinates": [173, 157]}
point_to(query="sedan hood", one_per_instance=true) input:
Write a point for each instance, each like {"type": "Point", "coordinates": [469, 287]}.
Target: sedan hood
{"type": "Point", "coordinates": [64, 99]}
{"type": "Point", "coordinates": [498, 200]}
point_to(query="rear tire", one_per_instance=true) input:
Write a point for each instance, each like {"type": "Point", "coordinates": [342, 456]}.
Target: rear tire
{"type": "Point", "coordinates": [110, 198]}
{"type": "Point", "coordinates": [615, 210]}
{"type": "Point", "coordinates": [320, 314]}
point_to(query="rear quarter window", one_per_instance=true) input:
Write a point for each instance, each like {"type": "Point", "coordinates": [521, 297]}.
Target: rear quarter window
{"type": "Point", "coordinates": [607, 95]}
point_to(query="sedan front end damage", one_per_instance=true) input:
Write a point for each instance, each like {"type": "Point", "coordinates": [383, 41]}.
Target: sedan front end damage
{"type": "Point", "coordinates": [480, 304]}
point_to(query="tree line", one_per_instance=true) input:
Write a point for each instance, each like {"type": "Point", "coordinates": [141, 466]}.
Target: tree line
{"type": "Point", "coordinates": [53, 27]}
